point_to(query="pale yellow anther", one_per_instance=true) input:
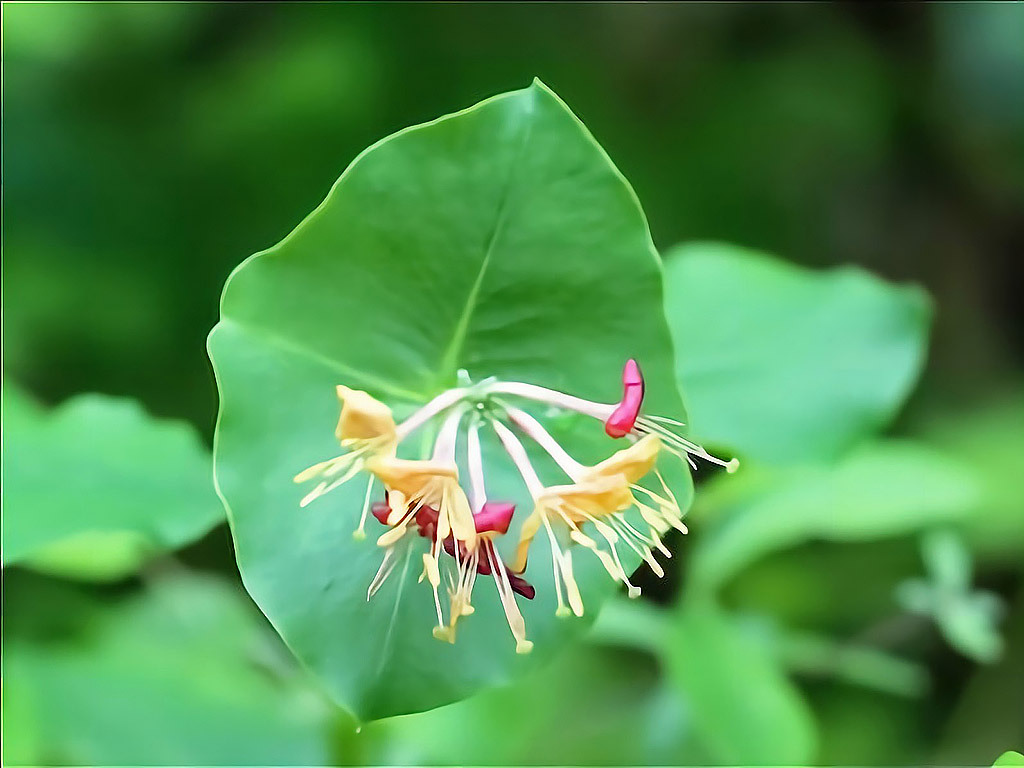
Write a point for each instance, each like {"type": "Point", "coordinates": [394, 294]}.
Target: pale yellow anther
{"type": "Point", "coordinates": [390, 536]}
{"type": "Point", "coordinates": [431, 571]}
{"type": "Point", "coordinates": [582, 538]}
{"type": "Point", "coordinates": [363, 417]}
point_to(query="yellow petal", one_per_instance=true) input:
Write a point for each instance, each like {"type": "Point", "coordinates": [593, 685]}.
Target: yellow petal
{"type": "Point", "coordinates": [413, 478]}
{"type": "Point", "coordinates": [460, 514]}
{"type": "Point", "coordinates": [597, 497]}
{"type": "Point", "coordinates": [363, 417]}
{"type": "Point", "coordinates": [634, 462]}
{"type": "Point", "coordinates": [529, 530]}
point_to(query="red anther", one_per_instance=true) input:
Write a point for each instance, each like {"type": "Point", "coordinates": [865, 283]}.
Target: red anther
{"type": "Point", "coordinates": [449, 546]}
{"type": "Point", "coordinates": [621, 422]}
{"type": "Point", "coordinates": [426, 517]}
{"type": "Point", "coordinates": [381, 510]}
{"type": "Point", "coordinates": [522, 586]}
{"type": "Point", "coordinates": [494, 516]}
{"type": "Point", "coordinates": [426, 521]}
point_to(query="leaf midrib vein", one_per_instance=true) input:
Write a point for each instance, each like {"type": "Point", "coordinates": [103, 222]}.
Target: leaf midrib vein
{"type": "Point", "coordinates": [448, 367]}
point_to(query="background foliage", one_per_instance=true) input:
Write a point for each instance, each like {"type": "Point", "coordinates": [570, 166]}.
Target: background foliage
{"type": "Point", "coordinates": [150, 148]}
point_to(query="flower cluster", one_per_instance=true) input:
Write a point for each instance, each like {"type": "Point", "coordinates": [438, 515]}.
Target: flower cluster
{"type": "Point", "coordinates": [424, 500]}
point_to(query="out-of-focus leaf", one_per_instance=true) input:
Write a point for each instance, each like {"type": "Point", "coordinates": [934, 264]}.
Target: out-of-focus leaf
{"type": "Point", "coordinates": [499, 240]}
{"type": "Point", "coordinates": [23, 742]}
{"type": "Point", "coordinates": [1009, 758]}
{"type": "Point", "coordinates": [813, 655]}
{"type": "Point", "coordinates": [947, 560]}
{"type": "Point", "coordinates": [780, 363]}
{"type": "Point", "coordinates": [881, 489]}
{"type": "Point", "coordinates": [967, 619]}
{"type": "Point", "coordinates": [744, 708]}
{"type": "Point", "coordinates": [633, 624]}
{"type": "Point", "coordinates": [592, 706]}
{"type": "Point", "coordinates": [969, 626]}
{"type": "Point", "coordinates": [644, 626]}
{"type": "Point", "coordinates": [183, 673]}
{"type": "Point", "coordinates": [986, 717]}
{"type": "Point", "coordinates": [96, 487]}
{"type": "Point", "coordinates": [990, 440]}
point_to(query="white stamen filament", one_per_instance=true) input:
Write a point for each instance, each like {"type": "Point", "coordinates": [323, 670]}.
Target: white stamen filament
{"type": "Point", "coordinates": [562, 562]}
{"type": "Point", "coordinates": [516, 623]}
{"type": "Point", "coordinates": [475, 462]}
{"type": "Point", "coordinates": [325, 487]}
{"type": "Point", "coordinates": [444, 447]}
{"type": "Point", "coordinates": [517, 453]}
{"type": "Point", "coordinates": [543, 438]}
{"type": "Point", "coordinates": [391, 557]}
{"type": "Point", "coordinates": [442, 402]}
{"type": "Point", "coordinates": [360, 532]}
{"type": "Point", "coordinates": [679, 443]}
{"type": "Point", "coordinates": [553, 397]}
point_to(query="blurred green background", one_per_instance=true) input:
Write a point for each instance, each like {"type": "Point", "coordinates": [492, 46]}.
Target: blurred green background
{"type": "Point", "coordinates": [149, 148]}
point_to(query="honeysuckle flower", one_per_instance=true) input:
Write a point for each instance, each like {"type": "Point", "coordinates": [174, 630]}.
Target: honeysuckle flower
{"type": "Point", "coordinates": [597, 508]}
{"type": "Point", "coordinates": [367, 429]}
{"type": "Point", "coordinates": [599, 495]}
{"type": "Point", "coordinates": [434, 483]}
{"type": "Point", "coordinates": [493, 520]}
{"type": "Point", "coordinates": [490, 520]}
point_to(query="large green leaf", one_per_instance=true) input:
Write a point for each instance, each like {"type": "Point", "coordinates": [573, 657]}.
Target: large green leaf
{"type": "Point", "coordinates": [182, 673]}
{"type": "Point", "coordinates": [96, 487]}
{"type": "Point", "coordinates": [500, 240]}
{"type": "Point", "coordinates": [881, 489]}
{"type": "Point", "coordinates": [780, 363]}
{"type": "Point", "coordinates": [742, 705]}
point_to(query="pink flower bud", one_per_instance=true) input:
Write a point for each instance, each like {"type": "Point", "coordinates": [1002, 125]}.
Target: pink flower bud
{"type": "Point", "coordinates": [621, 422]}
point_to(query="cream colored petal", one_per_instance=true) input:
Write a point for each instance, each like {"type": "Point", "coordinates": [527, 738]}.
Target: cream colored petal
{"type": "Point", "coordinates": [634, 462]}
{"type": "Point", "coordinates": [529, 530]}
{"type": "Point", "coordinates": [460, 514]}
{"type": "Point", "coordinates": [596, 497]}
{"type": "Point", "coordinates": [415, 479]}
{"type": "Point", "coordinates": [363, 417]}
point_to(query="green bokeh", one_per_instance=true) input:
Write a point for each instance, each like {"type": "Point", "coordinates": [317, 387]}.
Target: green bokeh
{"type": "Point", "coordinates": [149, 149]}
